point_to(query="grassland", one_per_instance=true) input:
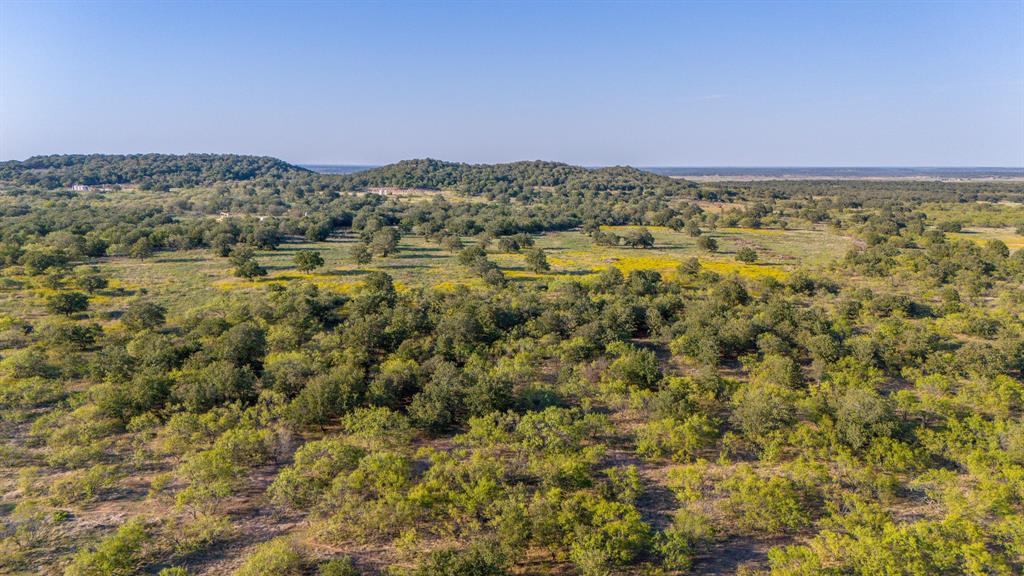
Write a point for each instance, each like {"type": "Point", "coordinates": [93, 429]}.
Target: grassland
{"type": "Point", "coordinates": [181, 279]}
{"type": "Point", "coordinates": [982, 234]}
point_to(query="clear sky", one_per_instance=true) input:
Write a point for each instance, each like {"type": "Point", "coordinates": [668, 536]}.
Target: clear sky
{"type": "Point", "coordinates": [680, 84]}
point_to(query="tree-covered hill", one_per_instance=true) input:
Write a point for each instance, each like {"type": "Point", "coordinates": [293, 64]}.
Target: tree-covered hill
{"type": "Point", "coordinates": [146, 170]}
{"type": "Point", "coordinates": [515, 179]}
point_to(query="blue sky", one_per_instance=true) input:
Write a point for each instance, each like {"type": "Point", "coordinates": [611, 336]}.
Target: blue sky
{"type": "Point", "coordinates": [685, 84]}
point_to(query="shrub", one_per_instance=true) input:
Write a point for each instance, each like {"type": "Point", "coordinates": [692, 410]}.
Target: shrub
{"type": "Point", "coordinates": [622, 484]}
{"type": "Point", "coordinates": [278, 557]}
{"type": "Point", "coordinates": [83, 486]}
{"type": "Point", "coordinates": [676, 544]}
{"type": "Point", "coordinates": [327, 396]}
{"type": "Point", "coordinates": [862, 415]}
{"type": "Point", "coordinates": [746, 254]}
{"type": "Point", "coordinates": [308, 260]}
{"type": "Point", "coordinates": [200, 388]}
{"type": "Point", "coordinates": [536, 261]}
{"type": "Point", "coordinates": [316, 465]}
{"type": "Point", "coordinates": [707, 243]}
{"type": "Point", "coordinates": [480, 559]}
{"type": "Point", "coordinates": [116, 555]}
{"type": "Point", "coordinates": [338, 567]}
{"type": "Point", "coordinates": [634, 367]}
{"type": "Point", "coordinates": [760, 410]}
{"type": "Point", "coordinates": [143, 316]}
{"type": "Point", "coordinates": [679, 440]}
{"type": "Point", "coordinates": [377, 428]}
{"type": "Point", "coordinates": [67, 303]}
{"type": "Point", "coordinates": [602, 533]}
{"type": "Point", "coordinates": [764, 505]}
{"type": "Point", "coordinates": [199, 532]}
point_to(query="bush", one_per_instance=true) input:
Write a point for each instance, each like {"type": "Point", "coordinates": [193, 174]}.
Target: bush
{"type": "Point", "coordinates": [278, 557]}
{"type": "Point", "coordinates": [676, 544]}
{"type": "Point", "coordinates": [746, 254]}
{"type": "Point", "coordinates": [766, 505]}
{"type": "Point", "coordinates": [308, 260]}
{"type": "Point", "coordinates": [316, 465]}
{"type": "Point", "coordinates": [634, 367]}
{"type": "Point", "coordinates": [338, 567]}
{"type": "Point", "coordinates": [480, 559]}
{"type": "Point", "coordinates": [861, 416]}
{"type": "Point", "coordinates": [199, 532]}
{"type": "Point", "coordinates": [328, 395]}
{"type": "Point", "coordinates": [143, 316]}
{"type": "Point", "coordinates": [707, 243]}
{"type": "Point", "coordinates": [81, 486]}
{"type": "Point", "coordinates": [602, 533]}
{"type": "Point", "coordinates": [377, 428]}
{"type": "Point", "coordinates": [67, 303]}
{"type": "Point", "coordinates": [679, 440]}
{"type": "Point", "coordinates": [200, 388]}
{"type": "Point", "coordinates": [116, 555]}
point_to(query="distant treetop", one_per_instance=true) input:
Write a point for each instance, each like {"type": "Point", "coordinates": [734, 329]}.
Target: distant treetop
{"type": "Point", "coordinates": [516, 179]}
{"type": "Point", "coordinates": [147, 170]}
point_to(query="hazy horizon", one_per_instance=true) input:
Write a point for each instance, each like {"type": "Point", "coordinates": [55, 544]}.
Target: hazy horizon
{"type": "Point", "coordinates": [646, 84]}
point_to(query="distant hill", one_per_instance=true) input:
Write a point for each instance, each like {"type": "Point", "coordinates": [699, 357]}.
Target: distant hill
{"type": "Point", "coordinates": [534, 180]}
{"type": "Point", "coordinates": [513, 179]}
{"type": "Point", "coordinates": [145, 170]}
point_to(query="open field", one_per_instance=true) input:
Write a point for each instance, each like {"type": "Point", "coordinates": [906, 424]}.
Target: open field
{"type": "Point", "coordinates": [982, 235]}
{"type": "Point", "coordinates": [182, 279]}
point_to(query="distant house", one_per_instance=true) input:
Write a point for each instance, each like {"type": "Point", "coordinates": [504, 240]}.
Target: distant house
{"type": "Point", "coordinates": [80, 188]}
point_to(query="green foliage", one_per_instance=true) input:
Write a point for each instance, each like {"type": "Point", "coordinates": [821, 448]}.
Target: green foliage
{"type": "Point", "coordinates": [118, 554]}
{"type": "Point", "coordinates": [316, 465]}
{"type": "Point", "coordinates": [338, 567]}
{"type": "Point", "coordinates": [746, 254]}
{"type": "Point", "coordinates": [639, 238]}
{"type": "Point", "coordinates": [308, 260]}
{"type": "Point", "coordinates": [951, 546]}
{"type": "Point", "coordinates": [142, 315]}
{"type": "Point", "coordinates": [707, 243]}
{"type": "Point", "coordinates": [633, 367]}
{"type": "Point", "coordinates": [481, 559]}
{"type": "Point", "coordinates": [537, 261]}
{"type": "Point", "coordinates": [678, 543]}
{"type": "Point", "coordinates": [764, 505]}
{"type": "Point", "coordinates": [278, 557]}
{"type": "Point", "coordinates": [448, 401]}
{"type": "Point", "coordinates": [679, 440]}
{"type": "Point", "coordinates": [67, 303]}
{"type": "Point", "coordinates": [360, 253]}
{"type": "Point", "coordinates": [600, 533]}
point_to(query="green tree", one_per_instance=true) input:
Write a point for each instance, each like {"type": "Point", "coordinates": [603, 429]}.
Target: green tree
{"type": "Point", "coordinates": [117, 555]}
{"type": "Point", "coordinates": [746, 254]}
{"type": "Point", "coordinates": [639, 238]}
{"type": "Point", "coordinates": [707, 243]}
{"type": "Point", "coordinates": [67, 303]}
{"type": "Point", "coordinates": [142, 248]}
{"type": "Point", "coordinates": [250, 270]}
{"type": "Point", "coordinates": [536, 261]}
{"type": "Point", "coordinates": [143, 316]}
{"type": "Point", "coordinates": [91, 283]}
{"type": "Point", "coordinates": [360, 253]}
{"type": "Point", "coordinates": [385, 242]}
{"type": "Point", "coordinates": [308, 260]}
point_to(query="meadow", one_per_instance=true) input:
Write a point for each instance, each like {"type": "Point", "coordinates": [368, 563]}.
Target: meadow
{"type": "Point", "coordinates": [179, 280]}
